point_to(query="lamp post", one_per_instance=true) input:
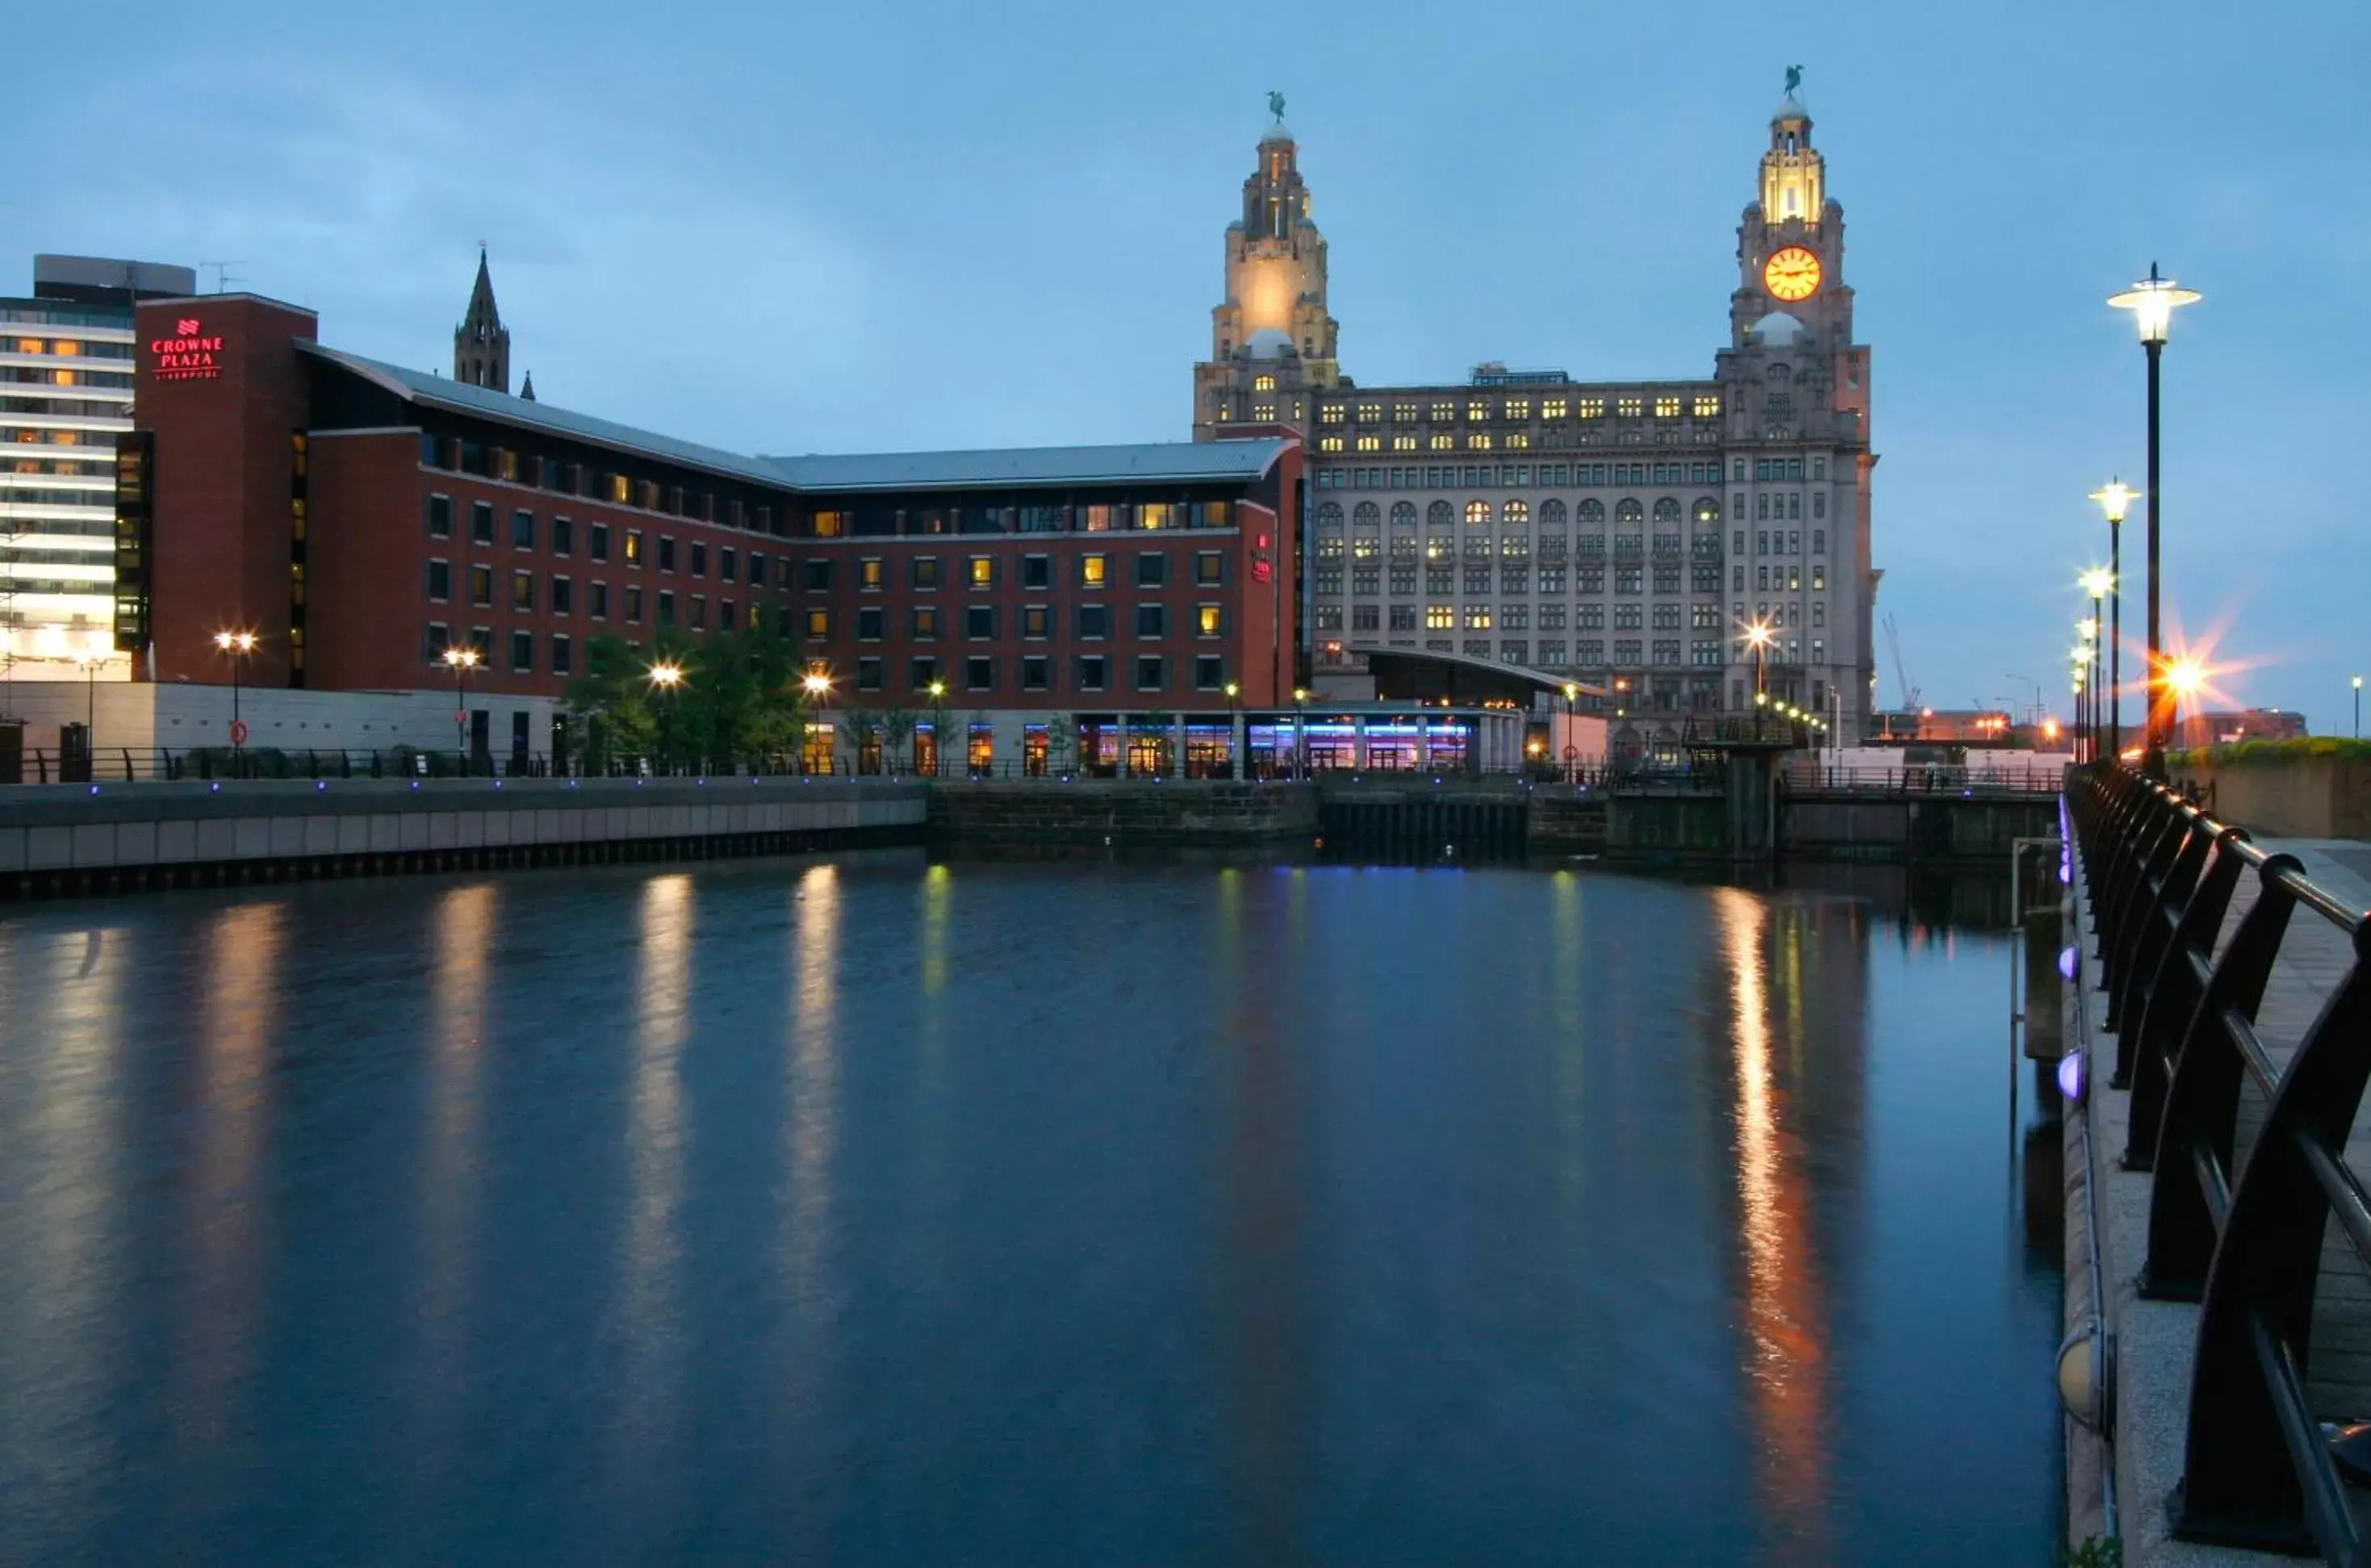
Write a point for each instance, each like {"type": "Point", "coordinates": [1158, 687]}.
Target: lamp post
{"type": "Point", "coordinates": [1567, 752]}
{"type": "Point", "coordinates": [2153, 301]}
{"type": "Point", "coordinates": [2183, 677]}
{"type": "Point", "coordinates": [460, 657]}
{"type": "Point", "coordinates": [1300, 735]}
{"type": "Point", "coordinates": [2115, 498]}
{"type": "Point", "coordinates": [2101, 584]}
{"type": "Point", "coordinates": [89, 662]}
{"type": "Point", "coordinates": [2358, 707]}
{"type": "Point", "coordinates": [938, 729]}
{"type": "Point", "coordinates": [1234, 731]}
{"type": "Point", "coordinates": [236, 646]}
{"type": "Point", "coordinates": [817, 686]}
{"type": "Point", "coordinates": [665, 676]}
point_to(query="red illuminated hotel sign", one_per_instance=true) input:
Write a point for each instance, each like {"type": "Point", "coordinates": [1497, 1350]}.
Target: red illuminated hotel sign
{"type": "Point", "coordinates": [188, 354]}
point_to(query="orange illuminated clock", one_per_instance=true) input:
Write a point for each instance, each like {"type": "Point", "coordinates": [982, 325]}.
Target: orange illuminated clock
{"type": "Point", "coordinates": [1791, 274]}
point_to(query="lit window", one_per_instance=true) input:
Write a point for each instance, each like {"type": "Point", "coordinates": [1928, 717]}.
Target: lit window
{"type": "Point", "coordinates": [1477, 514]}
{"type": "Point", "coordinates": [870, 573]}
{"type": "Point", "coordinates": [1263, 384]}
{"type": "Point", "coordinates": [1327, 413]}
{"type": "Point", "coordinates": [1630, 407]}
{"type": "Point", "coordinates": [981, 572]}
{"type": "Point", "coordinates": [1440, 618]}
{"type": "Point", "coordinates": [1554, 409]}
{"type": "Point", "coordinates": [1263, 413]}
{"type": "Point", "coordinates": [1155, 513]}
{"type": "Point", "coordinates": [1477, 617]}
{"type": "Point", "coordinates": [1092, 570]}
{"type": "Point", "coordinates": [818, 626]}
{"type": "Point", "coordinates": [1519, 438]}
{"type": "Point", "coordinates": [1329, 443]}
{"type": "Point", "coordinates": [1442, 441]}
{"type": "Point", "coordinates": [1708, 408]}
{"type": "Point", "coordinates": [1404, 442]}
{"type": "Point", "coordinates": [1478, 440]}
{"type": "Point", "coordinates": [1369, 413]}
{"type": "Point", "coordinates": [1667, 407]}
{"type": "Point", "coordinates": [1519, 408]}
{"type": "Point", "coordinates": [1404, 413]}
{"type": "Point", "coordinates": [829, 524]}
{"type": "Point", "coordinates": [1593, 408]}
{"type": "Point", "coordinates": [1368, 443]}
{"type": "Point", "coordinates": [1208, 620]}
{"type": "Point", "coordinates": [1444, 412]}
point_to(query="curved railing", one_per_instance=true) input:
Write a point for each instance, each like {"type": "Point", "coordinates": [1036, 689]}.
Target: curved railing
{"type": "Point", "coordinates": [2244, 1241]}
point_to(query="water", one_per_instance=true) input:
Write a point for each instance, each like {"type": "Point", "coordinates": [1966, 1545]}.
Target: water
{"type": "Point", "coordinates": [878, 1212]}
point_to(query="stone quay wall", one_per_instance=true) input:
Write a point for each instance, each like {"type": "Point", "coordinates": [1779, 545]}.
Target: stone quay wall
{"type": "Point", "coordinates": [65, 839]}
{"type": "Point", "coordinates": [1127, 811]}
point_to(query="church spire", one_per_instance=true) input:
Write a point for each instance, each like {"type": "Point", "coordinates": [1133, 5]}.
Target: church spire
{"type": "Point", "coordinates": [526, 389]}
{"type": "Point", "coordinates": [482, 344]}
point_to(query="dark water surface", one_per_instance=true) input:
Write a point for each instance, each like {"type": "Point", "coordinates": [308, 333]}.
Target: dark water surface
{"type": "Point", "coordinates": [882, 1212]}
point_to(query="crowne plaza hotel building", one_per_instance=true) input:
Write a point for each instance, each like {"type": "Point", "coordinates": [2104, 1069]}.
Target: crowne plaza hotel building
{"type": "Point", "coordinates": [361, 517]}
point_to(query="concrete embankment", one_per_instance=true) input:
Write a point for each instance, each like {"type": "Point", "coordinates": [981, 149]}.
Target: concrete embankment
{"type": "Point", "coordinates": [69, 839]}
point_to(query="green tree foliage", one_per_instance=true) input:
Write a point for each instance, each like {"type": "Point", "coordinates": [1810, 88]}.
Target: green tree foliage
{"type": "Point", "coordinates": [739, 698]}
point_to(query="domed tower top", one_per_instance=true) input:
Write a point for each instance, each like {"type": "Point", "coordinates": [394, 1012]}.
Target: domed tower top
{"type": "Point", "coordinates": [1794, 176]}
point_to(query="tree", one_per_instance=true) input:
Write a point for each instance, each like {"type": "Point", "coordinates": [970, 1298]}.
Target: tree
{"type": "Point", "coordinates": [896, 731]}
{"type": "Point", "coordinates": [737, 695]}
{"type": "Point", "coordinates": [1062, 735]}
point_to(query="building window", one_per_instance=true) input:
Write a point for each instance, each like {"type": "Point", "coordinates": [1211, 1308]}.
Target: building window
{"type": "Point", "coordinates": [699, 558]}
{"type": "Point", "coordinates": [1152, 569]}
{"type": "Point", "coordinates": [1440, 618]}
{"type": "Point", "coordinates": [979, 623]}
{"type": "Point", "coordinates": [926, 623]}
{"type": "Point", "coordinates": [924, 672]}
{"type": "Point", "coordinates": [522, 530]}
{"type": "Point", "coordinates": [439, 638]}
{"type": "Point", "coordinates": [561, 653]}
{"type": "Point", "coordinates": [1036, 571]}
{"type": "Point", "coordinates": [1091, 671]}
{"type": "Point", "coordinates": [482, 586]}
{"type": "Point", "coordinates": [1477, 617]}
{"type": "Point", "coordinates": [869, 623]}
{"type": "Point", "coordinates": [597, 540]}
{"type": "Point", "coordinates": [1037, 622]}
{"type": "Point", "coordinates": [979, 570]}
{"type": "Point", "coordinates": [1209, 672]}
{"type": "Point", "coordinates": [979, 672]}
{"type": "Point", "coordinates": [596, 601]}
{"type": "Point", "coordinates": [1094, 569]}
{"type": "Point", "coordinates": [1708, 408]}
{"type": "Point", "coordinates": [1209, 568]}
{"type": "Point", "coordinates": [634, 602]}
{"type": "Point", "coordinates": [440, 581]}
{"type": "Point", "coordinates": [633, 547]}
{"type": "Point", "coordinates": [1152, 620]}
{"type": "Point", "coordinates": [666, 553]}
{"type": "Point", "coordinates": [868, 673]}
{"type": "Point", "coordinates": [1667, 407]}
{"type": "Point", "coordinates": [1152, 672]}
{"type": "Point", "coordinates": [1209, 620]}
{"type": "Point", "coordinates": [522, 652]}
{"type": "Point", "coordinates": [926, 571]}
{"type": "Point", "coordinates": [818, 623]}
{"type": "Point", "coordinates": [815, 576]}
{"type": "Point", "coordinates": [726, 559]}
{"type": "Point", "coordinates": [440, 516]}
{"type": "Point", "coordinates": [666, 607]}
{"type": "Point", "coordinates": [1036, 672]}
{"type": "Point", "coordinates": [481, 522]}
{"type": "Point", "coordinates": [563, 597]}
{"type": "Point", "coordinates": [1366, 618]}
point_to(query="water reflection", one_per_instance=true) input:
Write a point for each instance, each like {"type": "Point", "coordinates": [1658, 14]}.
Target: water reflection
{"type": "Point", "coordinates": [1785, 1331]}
{"type": "Point", "coordinates": [815, 962]}
{"type": "Point", "coordinates": [452, 1164]}
{"type": "Point", "coordinates": [649, 1329]}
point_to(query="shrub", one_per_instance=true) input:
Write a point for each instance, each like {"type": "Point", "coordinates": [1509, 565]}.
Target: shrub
{"type": "Point", "coordinates": [2274, 751]}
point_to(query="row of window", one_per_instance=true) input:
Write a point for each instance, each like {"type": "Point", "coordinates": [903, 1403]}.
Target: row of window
{"type": "Point", "coordinates": [558, 596]}
{"type": "Point", "coordinates": [1089, 671]}
{"type": "Point", "coordinates": [868, 520]}
{"type": "Point", "coordinates": [559, 536]}
{"type": "Point", "coordinates": [1148, 569]}
{"type": "Point", "coordinates": [455, 454]}
{"type": "Point", "coordinates": [1557, 476]}
{"type": "Point", "coordinates": [1092, 623]}
{"type": "Point", "coordinates": [1326, 578]}
{"type": "Point", "coordinates": [1558, 406]}
{"type": "Point", "coordinates": [558, 649]}
{"type": "Point", "coordinates": [1591, 653]}
{"type": "Point", "coordinates": [1519, 617]}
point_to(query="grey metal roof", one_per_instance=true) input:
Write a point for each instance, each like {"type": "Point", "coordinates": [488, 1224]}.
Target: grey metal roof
{"type": "Point", "coordinates": [1030, 465]}
{"type": "Point", "coordinates": [1022, 466]}
{"type": "Point", "coordinates": [416, 387]}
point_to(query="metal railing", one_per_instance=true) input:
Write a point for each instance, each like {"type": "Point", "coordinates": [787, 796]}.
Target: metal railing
{"type": "Point", "coordinates": [2246, 1244]}
{"type": "Point", "coordinates": [1805, 777]}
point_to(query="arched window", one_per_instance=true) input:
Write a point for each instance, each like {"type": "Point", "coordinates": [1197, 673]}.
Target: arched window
{"type": "Point", "coordinates": [1592, 513]}
{"type": "Point", "coordinates": [1367, 515]}
{"type": "Point", "coordinates": [1777, 376]}
{"type": "Point", "coordinates": [1477, 514]}
{"type": "Point", "coordinates": [1403, 514]}
{"type": "Point", "coordinates": [1516, 512]}
{"type": "Point", "coordinates": [1329, 515]}
{"type": "Point", "coordinates": [1440, 514]}
{"type": "Point", "coordinates": [1667, 511]}
{"type": "Point", "coordinates": [1708, 509]}
{"type": "Point", "coordinates": [1629, 513]}
{"type": "Point", "coordinates": [1552, 513]}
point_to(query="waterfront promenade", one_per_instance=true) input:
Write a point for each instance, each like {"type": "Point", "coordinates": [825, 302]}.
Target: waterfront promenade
{"type": "Point", "coordinates": [2157, 1339]}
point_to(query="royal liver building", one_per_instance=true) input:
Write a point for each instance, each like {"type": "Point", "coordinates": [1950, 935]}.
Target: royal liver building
{"type": "Point", "coordinates": [1630, 534]}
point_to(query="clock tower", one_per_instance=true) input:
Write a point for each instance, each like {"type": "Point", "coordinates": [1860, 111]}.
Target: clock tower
{"type": "Point", "coordinates": [1272, 338]}
{"type": "Point", "coordinates": [1790, 243]}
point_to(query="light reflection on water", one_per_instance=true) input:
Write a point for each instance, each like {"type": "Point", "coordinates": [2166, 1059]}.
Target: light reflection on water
{"type": "Point", "coordinates": [873, 1211]}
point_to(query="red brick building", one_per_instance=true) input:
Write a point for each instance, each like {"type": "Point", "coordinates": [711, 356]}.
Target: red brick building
{"type": "Point", "coordinates": [360, 517]}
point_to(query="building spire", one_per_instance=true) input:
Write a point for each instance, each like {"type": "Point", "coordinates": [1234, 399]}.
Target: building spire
{"type": "Point", "coordinates": [481, 345]}
{"type": "Point", "coordinates": [526, 389]}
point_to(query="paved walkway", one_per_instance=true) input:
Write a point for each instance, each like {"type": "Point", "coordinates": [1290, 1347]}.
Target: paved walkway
{"type": "Point", "coordinates": [2314, 958]}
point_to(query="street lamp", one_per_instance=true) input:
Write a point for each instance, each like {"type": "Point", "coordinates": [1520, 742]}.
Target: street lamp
{"type": "Point", "coordinates": [665, 676]}
{"type": "Point", "coordinates": [1300, 733]}
{"type": "Point", "coordinates": [2153, 301]}
{"type": "Point", "coordinates": [2115, 498]}
{"type": "Point", "coordinates": [2358, 707]}
{"type": "Point", "coordinates": [236, 646]}
{"type": "Point", "coordinates": [817, 687]}
{"type": "Point", "coordinates": [461, 658]}
{"type": "Point", "coordinates": [2183, 677]}
{"type": "Point", "coordinates": [89, 662]}
{"type": "Point", "coordinates": [1570, 751]}
{"type": "Point", "coordinates": [938, 728]}
{"type": "Point", "coordinates": [1234, 731]}
{"type": "Point", "coordinates": [1757, 637]}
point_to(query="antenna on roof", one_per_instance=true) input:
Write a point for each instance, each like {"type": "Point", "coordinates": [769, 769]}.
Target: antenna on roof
{"type": "Point", "coordinates": [223, 276]}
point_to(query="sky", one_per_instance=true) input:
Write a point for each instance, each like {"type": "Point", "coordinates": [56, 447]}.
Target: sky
{"type": "Point", "coordinates": [804, 227]}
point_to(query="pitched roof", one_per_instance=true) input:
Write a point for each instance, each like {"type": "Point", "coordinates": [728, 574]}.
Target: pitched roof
{"type": "Point", "coordinates": [1017, 466]}
{"type": "Point", "coordinates": [1028, 466]}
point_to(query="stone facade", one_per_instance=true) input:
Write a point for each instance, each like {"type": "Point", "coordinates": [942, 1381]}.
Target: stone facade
{"type": "Point", "coordinates": [1625, 534]}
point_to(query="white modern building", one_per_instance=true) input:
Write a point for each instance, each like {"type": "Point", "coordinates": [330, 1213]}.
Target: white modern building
{"type": "Point", "coordinates": [65, 395]}
{"type": "Point", "coordinates": [1675, 543]}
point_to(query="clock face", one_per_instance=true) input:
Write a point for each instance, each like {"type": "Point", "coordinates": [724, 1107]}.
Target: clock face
{"type": "Point", "coordinates": [1791, 274]}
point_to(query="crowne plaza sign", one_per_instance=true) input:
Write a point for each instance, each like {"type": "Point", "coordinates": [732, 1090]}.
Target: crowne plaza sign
{"type": "Point", "coordinates": [187, 355]}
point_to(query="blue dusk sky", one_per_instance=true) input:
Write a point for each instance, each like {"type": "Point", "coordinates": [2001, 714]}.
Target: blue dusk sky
{"type": "Point", "coordinates": [810, 228]}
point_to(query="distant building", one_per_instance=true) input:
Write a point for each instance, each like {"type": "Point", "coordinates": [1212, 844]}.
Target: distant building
{"type": "Point", "coordinates": [65, 395]}
{"type": "Point", "coordinates": [482, 344]}
{"type": "Point", "coordinates": [2246, 724]}
{"type": "Point", "coordinates": [1616, 531]}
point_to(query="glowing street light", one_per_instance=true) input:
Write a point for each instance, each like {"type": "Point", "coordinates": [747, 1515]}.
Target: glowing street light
{"type": "Point", "coordinates": [2153, 301]}
{"type": "Point", "coordinates": [236, 646]}
{"type": "Point", "coordinates": [461, 658]}
{"type": "Point", "coordinates": [2358, 707]}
